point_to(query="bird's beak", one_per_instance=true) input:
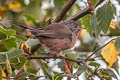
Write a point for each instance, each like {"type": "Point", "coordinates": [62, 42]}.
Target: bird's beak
{"type": "Point", "coordinates": [79, 28]}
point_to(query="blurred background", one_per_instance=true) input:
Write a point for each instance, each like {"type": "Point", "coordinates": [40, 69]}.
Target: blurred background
{"type": "Point", "coordinates": [38, 13]}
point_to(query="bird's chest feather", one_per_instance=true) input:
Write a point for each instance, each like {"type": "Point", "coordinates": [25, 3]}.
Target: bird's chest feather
{"type": "Point", "coordinates": [57, 45]}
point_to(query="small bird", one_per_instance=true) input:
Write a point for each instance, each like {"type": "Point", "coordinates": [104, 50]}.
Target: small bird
{"type": "Point", "coordinates": [56, 37]}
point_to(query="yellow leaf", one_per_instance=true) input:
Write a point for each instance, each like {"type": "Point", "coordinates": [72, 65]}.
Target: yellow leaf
{"type": "Point", "coordinates": [47, 19]}
{"type": "Point", "coordinates": [3, 9]}
{"type": "Point", "coordinates": [29, 23]}
{"type": "Point", "coordinates": [8, 66]}
{"type": "Point", "coordinates": [87, 53]}
{"type": "Point", "coordinates": [109, 53]}
{"type": "Point", "coordinates": [2, 12]}
{"type": "Point", "coordinates": [14, 5]}
{"type": "Point", "coordinates": [113, 25]}
{"type": "Point", "coordinates": [106, 76]}
{"type": "Point", "coordinates": [3, 75]}
{"type": "Point", "coordinates": [26, 48]}
{"type": "Point", "coordinates": [81, 34]}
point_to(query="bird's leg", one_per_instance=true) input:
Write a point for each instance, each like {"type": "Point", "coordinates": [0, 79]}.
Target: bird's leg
{"type": "Point", "coordinates": [56, 54]}
{"type": "Point", "coordinates": [61, 54]}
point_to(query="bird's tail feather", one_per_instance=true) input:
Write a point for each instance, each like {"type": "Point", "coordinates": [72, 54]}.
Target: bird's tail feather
{"type": "Point", "coordinates": [21, 25]}
{"type": "Point", "coordinates": [18, 24]}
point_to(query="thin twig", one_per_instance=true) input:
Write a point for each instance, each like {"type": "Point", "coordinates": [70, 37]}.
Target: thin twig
{"type": "Point", "coordinates": [99, 49]}
{"type": "Point", "coordinates": [94, 73]}
{"type": "Point", "coordinates": [67, 6]}
{"type": "Point", "coordinates": [90, 5]}
{"type": "Point", "coordinates": [83, 12]}
{"type": "Point", "coordinates": [56, 57]}
{"type": "Point", "coordinates": [80, 14]}
{"type": "Point", "coordinates": [99, 2]}
{"type": "Point", "coordinates": [19, 73]}
{"type": "Point", "coordinates": [3, 25]}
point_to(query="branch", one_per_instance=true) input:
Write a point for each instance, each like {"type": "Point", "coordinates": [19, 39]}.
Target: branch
{"type": "Point", "coordinates": [80, 14]}
{"type": "Point", "coordinates": [67, 6]}
{"type": "Point", "coordinates": [99, 49]}
{"type": "Point", "coordinates": [99, 2]}
{"type": "Point", "coordinates": [90, 5]}
{"type": "Point", "coordinates": [83, 12]}
{"type": "Point", "coordinates": [3, 25]}
{"type": "Point", "coordinates": [56, 57]}
{"type": "Point", "coordinates": [19, 73]}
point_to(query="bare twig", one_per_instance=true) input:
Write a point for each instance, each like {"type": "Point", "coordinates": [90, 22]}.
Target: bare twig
{"type": "Point", "coordinates": [94, 73]}
{"type": "Point", "coordinates": [36, 78]}
{"type": "Point", "coordinates": [67, 6]}
{"type": "Point", "coordinates": [99, 49]}
{"type": "Point", "coordinates": [83, 12]}
{"type": "Point", "coordinates": [99, 2]}
{"type": "Point", "coordinates": [90, 5]}
{"type": "Point", "coordinates": [19, 73]}
{"type": "Point", "coordinates": [3, 25]}
{"type": "Point", "coordinates": [80, 14]}
{"type": "Point", "coordinates": [56, 57]}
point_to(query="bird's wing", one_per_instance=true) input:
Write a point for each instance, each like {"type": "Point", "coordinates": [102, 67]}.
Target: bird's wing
{"type": "Point", "coordinates": [56, 31]}
{"type": "Point", "coordinates": [46, 35]}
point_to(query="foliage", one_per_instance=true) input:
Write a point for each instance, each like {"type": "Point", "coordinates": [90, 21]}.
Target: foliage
{"type": "Point", "coordinates": [18, 45]}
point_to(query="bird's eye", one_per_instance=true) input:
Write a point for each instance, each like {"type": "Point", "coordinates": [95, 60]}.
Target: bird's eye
{"type": "Point", "coordinates": [72, 23]}
{"type": "Point", "coordinates": [75, 26]}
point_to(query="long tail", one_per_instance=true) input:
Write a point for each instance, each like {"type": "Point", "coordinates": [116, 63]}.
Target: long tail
{"type": "Point", "coordinates": [32, 30]}
{"type": "Point", "coordinates": [19, 24]}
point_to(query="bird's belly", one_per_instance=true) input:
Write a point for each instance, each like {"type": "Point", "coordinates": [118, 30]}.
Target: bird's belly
{"type": "Point", "coordinates": [57, 45]}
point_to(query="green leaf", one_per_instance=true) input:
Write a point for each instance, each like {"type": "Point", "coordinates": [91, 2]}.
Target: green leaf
{"type": "Point", "coordinates": [21, 37]}
{"type": "Point", "coordinates": [118, 1]}
{"type": "Point", "coordinates": [2, 58]}
{"type": "Point", "coordinates": [30, 18]}
{"type": "Point", "coordinates": [60, 65]}
{"type": "Point", "coordinates": [32, 70]}
{"type": "Point", "coordinates": [14, 60]}
{"type": "Point", "coordinates": [94, 24]}
{"type": "Point", "coordinates": [1, 73]}
{"type": "Point", "coordinates": [2, 48]}
{"type": "Point", "coordinates": [45, 68]}
{"type": "Point", "coordinates": [114, 32]}
{"type": "Point", "coordinates": [11, 53]}
{"type": "Point", "coordinates": [14, 53]}
{"type": "Point", "coordinates": [95, 2]}
{"type": "Point", "coordinates": [59, 3]}
{"type": "Point", "coordinates": [117, 44]}
{"type": "Point", "coordinates": [86, 22]}
{"type": "Point", "coordinates": [70, 75]}
{"type": "Point", "coordinates": [24, 75]}
{"type": "Point", "coordinates": [104, 17]}
{"type": "Point", "coordinates": [10, 43]}
{"type": "Point", "coordinates": [32, 42]}
{"type": "Point", "coordinates": [81, 69]}
{"type": "Point", "coordinates": [95, 64]}
{"type": "Point", "coordinates": [7, 32]}
{"type": "Point", "coordinates": [110, 72]}
{"type": "Point", "coordinates": [71, 55]}
{"type": "Point", "coordinates": [58, 76]}
{"type": "Point", "coordinates": [2, 36]}
{"type": "Point", "coordinates": [18, 62]}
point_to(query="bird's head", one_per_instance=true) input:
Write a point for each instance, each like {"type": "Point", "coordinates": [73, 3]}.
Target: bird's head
{"type": "Point", "coordinates": [73, 26]}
